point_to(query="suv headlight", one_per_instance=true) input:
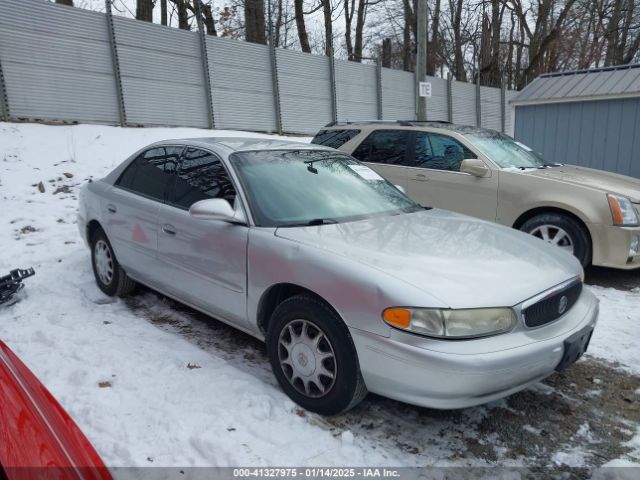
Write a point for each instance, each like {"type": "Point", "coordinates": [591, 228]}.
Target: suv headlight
{"type": "Point", "coordinates": [622, 210]}
{"type": "Point", "coordinates": [445, 323]}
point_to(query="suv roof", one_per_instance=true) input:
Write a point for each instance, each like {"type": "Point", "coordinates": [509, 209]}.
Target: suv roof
{"type": "Point", "coordinates": [440, 124]}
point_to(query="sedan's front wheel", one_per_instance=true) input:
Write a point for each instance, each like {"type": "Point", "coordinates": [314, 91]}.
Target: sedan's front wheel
{"type": "Point", "coordinates": [313, 357]}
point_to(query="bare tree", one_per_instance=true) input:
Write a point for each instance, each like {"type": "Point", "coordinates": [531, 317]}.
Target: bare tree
{"type": "Point", "coordinates": [254, 21]}
{"type": "Point", "coordinates": [303, 36]}
{"type": "Point", "coordinates": [144, 10]}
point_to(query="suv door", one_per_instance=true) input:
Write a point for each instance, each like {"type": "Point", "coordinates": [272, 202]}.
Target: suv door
{"type": "Point", "coordinates": [131, 213]}
{"type": "Point", "coordinates": [204, 261]}
{"type": "Point", "coordinates": [386, 152]}
{"type": "Point", "coordinates": [435, 179]}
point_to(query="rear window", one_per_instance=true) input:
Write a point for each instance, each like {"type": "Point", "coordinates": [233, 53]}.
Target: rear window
{"type": "Point", "coordinates": [334, 138]}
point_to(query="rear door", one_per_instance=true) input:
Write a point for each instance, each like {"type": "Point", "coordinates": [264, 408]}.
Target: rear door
{"type": "Point", "coordinates": [435, 180]}
{"type": "Point", "coordinates": [387, 152]}
{"type": "Point", "coordinates": [204, 261]}
{"type": "Point", "coordinates": [131, 209]}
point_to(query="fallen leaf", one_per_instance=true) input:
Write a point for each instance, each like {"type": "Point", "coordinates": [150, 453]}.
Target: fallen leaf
{"type": "Point", "coordinates": [41, 187]}
{"type": "Point", "coordinates": [191, 366]}
{"type": "Point", "coordinates": [104, 384]}
{"type": "Point", "coordinates": [68, 175]}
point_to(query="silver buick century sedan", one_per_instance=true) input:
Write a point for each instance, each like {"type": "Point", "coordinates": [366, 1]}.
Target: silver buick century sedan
{"type": "Point", "coordinates": [353, 286]}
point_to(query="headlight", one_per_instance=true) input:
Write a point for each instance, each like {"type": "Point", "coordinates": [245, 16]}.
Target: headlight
{"type": "Point", "coordinates": [622, 210]}
{"type": "Point", "coordinates": [441, 323]}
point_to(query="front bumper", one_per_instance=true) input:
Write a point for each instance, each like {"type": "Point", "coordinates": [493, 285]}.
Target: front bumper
{"type": "Point", "coordinates": [611, 246]}
{"type": "Point", "coordinates": [448, 374]}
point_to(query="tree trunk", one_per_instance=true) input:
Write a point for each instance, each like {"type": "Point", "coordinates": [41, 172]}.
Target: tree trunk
{"type": "Point", "coordinates": [433, 47]}
{"type": "Point", "coordinates": [302, 29]}
{"type": "Point", "coordinates": [254, 21]}
{"type": "Point", "coordinates": [207, 17]}
{"type": "Point", "coordinates": [459, 71]}
{"type": "Point", "coordinates": [65, 2]}
{"type": "Point", "coordinates": [144, 10]}
{"type": "Point", "coordinates": [328, 27]}
{"type": "Point", "coordinates": [407, 48]}
{"type": "Point", "coordinates": [349, 5]}
{"type": "Point", "coordinates": [163, 12]}
{"type": "Point", "coordinates": [386, 53]}
{"type": "Point", "coordinates": [357, 49]}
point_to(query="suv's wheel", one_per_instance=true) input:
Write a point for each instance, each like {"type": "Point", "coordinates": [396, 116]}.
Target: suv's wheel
{"type": "Point", "coordinates": [110, 276]}
{"type": "Point", "coordinates": [313, 357]}
{"type": "Point", "coordinates": [562, 231]}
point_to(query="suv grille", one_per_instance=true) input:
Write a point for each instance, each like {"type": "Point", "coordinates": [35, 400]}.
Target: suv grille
{"type": "Point", "coordinates": [552, 307]}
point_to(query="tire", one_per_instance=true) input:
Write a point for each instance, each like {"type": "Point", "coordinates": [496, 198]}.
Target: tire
{"type": "Point", "coordinates": [556, 225]}
{"type": "Point", "coordinates": [342, 392]}
{"type": "Point", "coordinates": [110, 276]}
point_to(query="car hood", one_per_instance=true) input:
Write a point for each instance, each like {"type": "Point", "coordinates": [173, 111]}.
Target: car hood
{"type": "Point", "coordinates": [606, 181]}
{"type": "Point", "coordinates": [462, 261]}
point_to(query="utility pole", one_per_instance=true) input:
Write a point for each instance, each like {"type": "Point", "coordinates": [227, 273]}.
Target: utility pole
{"type": "Point", "coordinates": [421, 59]}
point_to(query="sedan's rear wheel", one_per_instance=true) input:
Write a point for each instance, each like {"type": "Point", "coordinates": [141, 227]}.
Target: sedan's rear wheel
{"type": "Point", "coordinates": [110, 276]}
{"type": "Point", "coordinates": [313, 357]}
{"type": "Point", "coordinates": [562, 231]}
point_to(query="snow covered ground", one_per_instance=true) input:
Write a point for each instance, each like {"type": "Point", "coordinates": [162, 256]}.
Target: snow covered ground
{"type": "Point", "coordinates": [153, 383]}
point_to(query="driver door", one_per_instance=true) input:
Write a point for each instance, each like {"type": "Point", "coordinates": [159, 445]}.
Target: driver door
{"type": "Point", "coordinates": [435, 179]}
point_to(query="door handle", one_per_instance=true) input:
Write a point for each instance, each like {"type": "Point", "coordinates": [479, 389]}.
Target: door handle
{"type": "Point", "coordinates": [111, 208]}
{"type": "Point", "coordinates": [420, 177]}
{"type": "Point", "coordinates": [169, 229]}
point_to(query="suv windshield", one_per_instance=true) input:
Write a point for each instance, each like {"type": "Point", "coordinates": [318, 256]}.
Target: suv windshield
{"type": "Point", "coordinates": [312, 187]}
{"type": "Point", "coordinates": [506, 152]}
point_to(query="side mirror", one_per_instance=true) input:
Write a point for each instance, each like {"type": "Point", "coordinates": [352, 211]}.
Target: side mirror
{"type": "Point", "coordinates": [216, 209]}
{"type": "Point", "coordinates": [401, 189]}
{"type": "Point", "coordinates": [475, 167]}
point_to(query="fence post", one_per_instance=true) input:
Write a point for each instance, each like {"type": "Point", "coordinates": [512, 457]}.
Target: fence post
{"type": "Point", "coordinates": [503, 108]}
{"type": "Point", "coordinates": [116, 64]}
{"type": "Point", "coordinates": [379, 86]}
{"type": "Point", "coordinates": [450, 97]}
{"type": "Point", "coordinates": [205, 64]}
{"type": "Point", "coordinates": [478, 103]}
{"type": "Point", "coordinates": [274, 77]}
{"type": "Point", "coordinates": [332, 80]}
{"type": "Point", "coordinates": [4, 99]}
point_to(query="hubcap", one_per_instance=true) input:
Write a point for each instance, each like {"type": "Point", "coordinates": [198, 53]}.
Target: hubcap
{"type": "Point", "coordinates": [103, 262]}
{"type": "Point", "coordinates": [306, 358]}
{"type": "Point", "coordinates": [554, 235]}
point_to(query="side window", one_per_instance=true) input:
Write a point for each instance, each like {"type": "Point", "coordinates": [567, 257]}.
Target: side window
{"type": "Point", "coordinates": [334, 138]}
{"type": "Point", "coordinates": [440, 152]}
{"type": "Point", "coordinates": [151, 173]}
{"type": "Point", "coordinates": [201, 176]}
{"type": "Point", "coordinates": [384, 146]}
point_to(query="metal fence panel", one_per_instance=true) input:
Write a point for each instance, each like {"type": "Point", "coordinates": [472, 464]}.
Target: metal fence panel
{"type": "Point", "coordinates": [56, 62]}
{"type": "Point", "coordinates": [305, 91]}
{"type": "Point", "coordinates": [491, 108]}
{"type": "Point", "coordinates": [241, 85]}
{"type": "Point", "coordinates": [356, 91]}
{"type": "Point", "coordinates": [509, 112]}
{"type": "Point", "coordinates": [464, 103]}
{"type": "Point", "coordinates": [398, 95]}
{"type": "Point", "coordinates": [162, 74]}
{"type": "Point", "coordinates": [437, 104]}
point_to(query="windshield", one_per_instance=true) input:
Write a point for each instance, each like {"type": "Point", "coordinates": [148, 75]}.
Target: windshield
{"type": "Point", "coordinates": [506, 152]}
{"type": "Point", "coordinates": [312, 187]}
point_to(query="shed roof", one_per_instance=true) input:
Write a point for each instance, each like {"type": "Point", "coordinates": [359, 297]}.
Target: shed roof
{"type": "Point", "coordinates": [593, 84]}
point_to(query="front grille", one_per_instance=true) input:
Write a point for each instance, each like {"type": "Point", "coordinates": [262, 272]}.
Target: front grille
{"type": "Point", "coordinates": [550, 308]}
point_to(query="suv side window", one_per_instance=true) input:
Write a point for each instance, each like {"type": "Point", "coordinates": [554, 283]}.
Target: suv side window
{"type": "Point", "coordinates": [201, 175]}
{"type": "Point", "coordinates": [384, 146]}
{"type": "Point", "coordinates": [334, 138]}
{"type": "Point", "coordinates": [440, 152]}
{"type": "Point", "coordinates": [151, 173]}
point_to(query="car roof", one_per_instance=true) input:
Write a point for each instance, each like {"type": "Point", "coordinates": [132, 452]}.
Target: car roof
{"type": "Point", "coordinates": [415, 124]}
{"type": "Point", "coordinates": [243, 144]}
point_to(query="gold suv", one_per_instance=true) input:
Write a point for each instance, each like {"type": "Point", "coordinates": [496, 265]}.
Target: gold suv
{"type": "Point", "coordinates": [591, 213]}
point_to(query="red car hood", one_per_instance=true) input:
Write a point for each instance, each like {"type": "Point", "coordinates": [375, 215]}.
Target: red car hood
{"type": "Point", "coordinates": [38, 438]}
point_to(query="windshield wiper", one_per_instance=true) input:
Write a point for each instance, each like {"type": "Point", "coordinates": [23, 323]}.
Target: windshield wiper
{"type": "Point", "coordinates": [312, 222]}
